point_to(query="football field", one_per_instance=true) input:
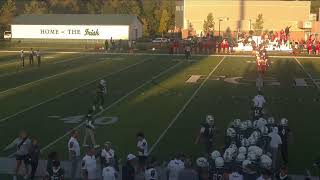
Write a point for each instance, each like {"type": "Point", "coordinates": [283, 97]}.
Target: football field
{"type": "Point", "coordinates": [164, 96]}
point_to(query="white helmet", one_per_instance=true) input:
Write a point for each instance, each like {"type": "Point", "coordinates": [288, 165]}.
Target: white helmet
{"type": "Point", "coordinates": [284, 122]}
{"type": "Point", "coordinates": [102, 82]}
{"type": "Point", "coordinates": [243, 126]}
{"type": "Point", "coordinates": [256, 135]}
{"type": "Point", "coordinates": [245, 142]}
{"type": "Point", "coordinates": [263, 120]}
{"type": "Point", "coordinates": [242, 150]}
{"type": "Point", "coordinates": [245, 163]}
{"type": "Point", "coordinates": [265, 162]}
{"type": "Point", "coordinates": [252, 140]}
{"type": "Point", "coordinates": [241, 157]}
{"type": "Point", "coordinates": [252, 156]}
{"type": "Point", "coordinates": [255, 124]}
{"type": "Point", "coordinates": [219, 162]}
{"type": "Point", "coordinates": [249, 123]}
{"type": "Point", "coordinates": [231, 132]}
{"type": "Point", "coordinates": [236, 122]}
{"type": "Point", "coordinates": [271, 120]}
{"type": "Point", "coordinates": [228, 155]}
{"type": "Point", "coordinates": [215, 155]}
{"type": "Point", "coordinates": [264, 130]}
{"type": "Point", "coordinates": [210, 119]}
{"type": "Point", "coordinates": [258, 151]}
{"type": "Point", "coordinates": [202, 162]}
{"type": "Point", "coordinates": [233, 147]}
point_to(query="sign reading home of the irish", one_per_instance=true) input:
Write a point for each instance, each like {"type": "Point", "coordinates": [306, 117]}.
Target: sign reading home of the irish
{"type": "Point", "coordinates": [69, 32]}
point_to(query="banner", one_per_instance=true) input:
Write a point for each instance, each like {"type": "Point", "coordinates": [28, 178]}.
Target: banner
{"type": "Point", "coordinates": [69, 32]}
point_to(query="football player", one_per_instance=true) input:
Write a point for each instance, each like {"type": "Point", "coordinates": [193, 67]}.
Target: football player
{"type": "Point", "coordinates": [207, 131]}
{"type": "Point", "coordinates": [151, 173]}
{"type": "Point", "coordinates": [218, 172]}
{"type": "Point", "coordinates": [271, 124]}
{"type": "Point", "coordinates": [57, 171]}
{"type": "Point", "coordinates": [284, 132]}
{"type": "Point", "coordinates": [258, 104]}
{"type": "Point", "coordinates": [90, 128]}
{"type": "Point", "coordinates": [109, 172]}
{"type": "Point", "coordinates": [100, 94]}
{"type": "Point", "coordinates": [174, 167]}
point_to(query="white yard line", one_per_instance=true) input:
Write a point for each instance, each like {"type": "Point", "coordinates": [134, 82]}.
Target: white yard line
{"type": "Point", "coordinates": [70, 91]}
{"type": "Point", "coordinates": [111, 105]}
{"type": "Point", "coordinates": [184, 106]}
{"type": "Point", "coordinates": [308, 74]}
{"type": "Point", "coordinates": [42, 79]}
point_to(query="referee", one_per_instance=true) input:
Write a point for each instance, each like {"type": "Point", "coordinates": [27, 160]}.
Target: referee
{"type": "Point", "coordinates": [22, 57]}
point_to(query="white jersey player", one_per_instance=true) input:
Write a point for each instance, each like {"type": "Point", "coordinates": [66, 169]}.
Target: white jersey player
{"type": "Point", "coordinates": [174, 167]}
{"type": "Point", "coordinates": [258, 100]}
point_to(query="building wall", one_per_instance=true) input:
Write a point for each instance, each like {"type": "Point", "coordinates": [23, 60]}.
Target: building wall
{"type": "Point", "coordinates": [241, 14]}
{"type": "Point", "coordinates": [135, 30]}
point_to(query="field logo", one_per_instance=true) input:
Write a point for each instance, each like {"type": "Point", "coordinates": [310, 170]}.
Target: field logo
{"type": "Point", "coordinates": [100, 121]}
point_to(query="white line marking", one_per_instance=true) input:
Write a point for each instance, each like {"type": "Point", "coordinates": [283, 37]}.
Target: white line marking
{"type": "Point", "coordinates": [110, 106]}
{"type": "Point", "coordinates": [45, 78]}
{"type": "Point", "coordinates": [308, 74]}
{"type": "Point", "coordinates": [70, 91]}
{"type": "Point", "coordinates": [184, 106]}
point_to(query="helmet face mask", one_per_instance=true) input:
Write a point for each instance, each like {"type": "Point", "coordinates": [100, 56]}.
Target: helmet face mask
{"type": "Point", "coordinates": [236, 123]}
{"type": "Point", "coordinates": [284, 122]}
{"type": "Point", "coordinates": [215, 155]}
{"type": "Point", "coordinates": [202, 162]}
{"type": "Point", "coordinates": [271, 120]}
{"type": "Point", "coordinates": [231, 132]}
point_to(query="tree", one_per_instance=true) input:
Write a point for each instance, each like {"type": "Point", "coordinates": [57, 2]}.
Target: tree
{"type": "Point", "coordinates": [35, 7]}
{"type": "Point", "coordinates": [258, 25]}
{"type": "Point", "coordinates": [61, 6]}
{"type": "Point", "coordinates": [163, 26]}
{"type": "Point", "coordinates": [208, 25]}
{"type": "Point", "coordinates": [190, 29]}
{"type": "Point", "coordinates": [7, 13]}
{"type": "Point", "coordinates": [95, 6]}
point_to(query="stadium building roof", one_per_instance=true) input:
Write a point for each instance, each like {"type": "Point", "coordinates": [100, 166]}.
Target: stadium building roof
{"type": "Point", "coordinates": [75, 19]}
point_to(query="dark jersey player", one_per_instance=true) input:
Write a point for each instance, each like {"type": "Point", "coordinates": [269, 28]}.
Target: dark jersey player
{"type": "Point", "coordinates": [207, 131]}
{"type": "Point", "coordinates": [284, 133]}
{"type": "Point", "coordinates": [100, 94]}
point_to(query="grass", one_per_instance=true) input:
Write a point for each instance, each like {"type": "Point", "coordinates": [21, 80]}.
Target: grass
{"type": "Point", "coordinates": [154, 91]}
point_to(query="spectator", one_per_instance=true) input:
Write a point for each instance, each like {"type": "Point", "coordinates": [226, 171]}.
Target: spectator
{"type": "Point", "coordinates": [283, 174]}
{"type": "Point", "coordinates": [265, 175]}
{"type": "Point", "coordinates": [22, 57]}
{"type": "Point", "coordinates": [174, 167]}
{"type": "Point", "coordinates": [107, 154]}
{"type": "Point", "coordinates": [285, 133]}
{"type": "Point", "coordinates": [274, 144]}
{"type": "Point", "coordinates": [34, 157]}
{"type": "Point", "coordinates": [235, 175]}
{"type": "Point", "coordinates": [151, 172]}
{"type": "Point", "coordinates": [188, 173]}
{"type": "Point", "coordinates": [57, 172]}
{"type": "Point", "coordinates": [142, 147]}
{"type": "Point", "coordinates": [74, 153]}
{"type": "Point", "coordinates": [128, 170]}
{"type": "Point", "coordinates": [187, 51]}
{"type": "Point", "coordinates": [250, 173]}
{"type": "Point", "coordinates": [23, 144]}
{"type": "Point", "coordinates": [109, 173]}
{"type": "Point", "coordinates": [38, 54]}
{"type": "Point", "coordinates": [52, 157]}
{"type": "Point", "coordinates": [89, 165]}
{"type": "Point", "coordinates": [31, 56]}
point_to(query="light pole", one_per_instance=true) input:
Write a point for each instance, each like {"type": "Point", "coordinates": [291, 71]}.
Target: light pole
{"type": "Point", "coordinates": [222, 19]}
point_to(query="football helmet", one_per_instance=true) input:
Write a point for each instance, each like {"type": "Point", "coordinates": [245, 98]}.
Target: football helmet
{"type": "Point", "coordinates": [210, 119]}
{"type": "Point", "coordinates": [236, 122]}
{"type": "Point", "coordinates": [264, 130]}
{"type": "Point", "coordinates": [202, 162]}
{"type": "Point", "coordinates": [258, 151]}
{"type": "Point", "coordinates": [271, 120]}
{"type": "Point", "coordinates": [233, 147]}
{"type": "Point", "coordinates": [265, 162]}
{"type": "Point", "coordinates": [249, 123]}
{"type": "Point", "coordinates": [219, 162]}
{"type": "Point", "coordinates": [228, 155]}
{"type": "Point", "coordinates": [243, 126]}
{"type": "Point", "coordinates": [103, 82]}
{"type": "Point", "coordinates": [252, 140]}
{"type": "Point", "coordinates": [256, 135]}
{"type": "Point", "coordinates": [255, 124]}
{"type": "Point", "coordinates": [252, 156]}
{"type": "Point", "coordinates": [240, 157]}
{"type": "Point", "coordinates": [245, 142]}
{"type": "Point", "coordinates": [215, 154]}
{"type": "Point", "coordinates": [231, 132]}
{"type": "Point", "coordinates": [245, 163]}
{"type": "Point", "coordinates": [242, 150]}
{"type": "Point", "coordinates": [284, 122]}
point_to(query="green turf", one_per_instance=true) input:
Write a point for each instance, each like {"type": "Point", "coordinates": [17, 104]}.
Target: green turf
{"type": "Point", "coordinates": [157, 92]}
